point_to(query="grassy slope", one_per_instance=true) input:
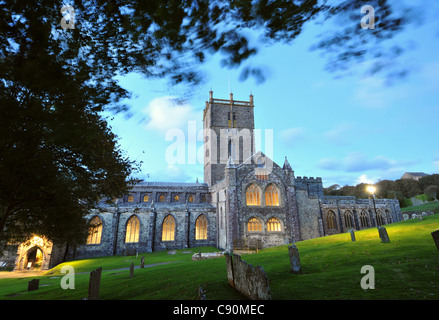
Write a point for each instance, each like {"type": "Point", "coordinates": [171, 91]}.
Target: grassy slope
{"type": "Point", "coordinates": [406, 268]}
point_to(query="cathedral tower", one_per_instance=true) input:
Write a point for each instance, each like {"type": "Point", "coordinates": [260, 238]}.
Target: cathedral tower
{"type": "Point", "coordinates": [228, 132]}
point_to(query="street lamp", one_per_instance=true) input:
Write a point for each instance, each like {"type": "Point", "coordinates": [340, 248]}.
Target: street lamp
{"type": "Point", "coordinates": [372, 189]}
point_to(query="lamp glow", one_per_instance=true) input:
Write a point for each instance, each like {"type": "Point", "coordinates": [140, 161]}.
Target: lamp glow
{"type": "Point", "coordinates": [371, 189]}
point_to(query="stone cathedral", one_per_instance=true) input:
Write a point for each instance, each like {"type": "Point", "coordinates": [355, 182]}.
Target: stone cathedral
{"type": "Point", "coordinates": [245, 201]}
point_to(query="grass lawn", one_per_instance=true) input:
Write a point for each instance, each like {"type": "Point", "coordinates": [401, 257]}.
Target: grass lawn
{"type": "Point", "coordinates": [432, 206]}
{"type": "Point", "coordinates": [405, 268]}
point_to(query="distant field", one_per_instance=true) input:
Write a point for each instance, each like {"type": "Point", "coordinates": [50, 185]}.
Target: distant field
{"type": "Point", "coordinates": [405, 268]}
{"type": "Point", "coordinates": [432, 206]}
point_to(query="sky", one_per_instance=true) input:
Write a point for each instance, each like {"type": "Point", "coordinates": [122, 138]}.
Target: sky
{"type": "Point", "coordinates": [347, 130]}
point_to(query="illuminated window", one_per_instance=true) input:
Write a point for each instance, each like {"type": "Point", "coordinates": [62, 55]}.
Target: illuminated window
{"type": "Point", "coordinates": [330, 219]}
{"type": "Point", "coordinates": [253, 195]}
{"type": "Point", "coordinates": [273, 224]}
{"type": "Point", "coordinates": [132, 232]}
{"type": "Point", "coordinates": [168, 229]}
{"type": "Point", "coordinates": [130, 198]}
{"type": "Point", "coordinates": [364, 220]}
{"type": "Point", "coordinates": [176, 198]}
{"type": "Point", "coordinates": [146, 198]}
{"type": "Point", "coordinates": [94, 231]}
{"type": "Point", "coordinates": [162, 198]}
{"type": "Point", "coordinates": [201, 228]}
{"type": "Point", "coordinates": [348, 219]}
{"type": "Point", "coordinates": [254, 224]}
{"type": "Point", "coordinates": [191, 198]}
{"type": "Point", "coordinates": [272, 196]}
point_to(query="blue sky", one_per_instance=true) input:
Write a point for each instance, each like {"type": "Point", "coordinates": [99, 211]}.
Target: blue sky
{"type": "Point", "coordinates": [347, 130]}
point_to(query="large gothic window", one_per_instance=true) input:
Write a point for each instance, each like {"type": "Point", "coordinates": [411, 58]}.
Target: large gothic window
{"type": "Point", "coordinates": [330, 219]}
{"type": "Point", "coordinates": [201, 228]}
{"type": "Point", "coordinates": [364, 220]}
{"type": "Point", "coordinates": [94, 231]}
{"type": "Point", "coordinates": [253, 195]}
{"type": "Point", "coordinates": [272, 196]}
{"type": "Point", "coordinates": [254, 225]}
{"type": "Point", "coordinates": [273, 224]}
{"type": "Point", "coordinates": [380, 220]}
{"type": "Point", "coordinates": [168, 228]}
{"type": "Point", "coordinates": [132, 231]}
{"type": "Point", "coordinates": [348, 219]}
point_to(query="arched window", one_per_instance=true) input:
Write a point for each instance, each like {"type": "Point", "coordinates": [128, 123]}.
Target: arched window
{"type": "Point", "coordinates": [380, 220]}
{"type": "Point", "coordinates": [273, 224]}
{"type": "Point", "coordinates": [191, 198]}
{"type": "Point", "coordinates": [254, 225]}
{"type": "Point", "coordinates": [130, 198]}
{"type": "Point", "coordinates": [348, 219]}
{"type": "Point", "coordinates": [94, 231]}
{"type": "Point", "coordinates": [364, 220]}
{"type": "Point", "coordinates": [272, 196]}
{"type": "Point", "coordinates": [330, 219]}
{"type": "Point", "coordinates": [201, 228]}
{"type": "Point", "coordinates": [168, 228]}
{"type": "Point", "coordinates": [161, 198]}
{"type": "Point", "coordinates": [176, 198]}
{"type": "Point", "coordinates": [253, 195]}
{"type": "Point", "coordinates": [132, 231]}
{"type": "Point", "coordinates": [146, 198]}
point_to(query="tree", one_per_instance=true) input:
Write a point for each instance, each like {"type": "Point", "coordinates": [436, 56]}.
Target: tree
{"type": "Point", "coordinates": [57, 74]}
{"type": "Point", "coordinates": [432, 191]}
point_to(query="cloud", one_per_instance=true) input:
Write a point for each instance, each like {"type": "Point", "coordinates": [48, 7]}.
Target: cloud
{"type": "Point", "coordinates": [436, 161]}
{"type": "Point", "coordinates": [328, 164]}
{"type": "Point", "coordinates": [167, 113]}
{"type": "Point", "coordinates": [292, 135]}
{"type": "Point", "coordinates": [365, 179]}
{"type": "Point", "coordinates": [357, 161]}
{"type": "Point", "coordinates": [339, 134]}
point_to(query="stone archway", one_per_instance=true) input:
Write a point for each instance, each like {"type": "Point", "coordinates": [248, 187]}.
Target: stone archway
{"type": "Point", "coordinates": [33, 259]}
{"type": "Point", "coordinates": [34, 253]}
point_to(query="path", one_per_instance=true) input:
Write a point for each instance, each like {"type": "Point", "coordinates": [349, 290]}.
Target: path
{"type": "Point", "coordinates": [25, 274]}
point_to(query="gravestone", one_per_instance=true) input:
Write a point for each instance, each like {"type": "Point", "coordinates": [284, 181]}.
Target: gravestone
{"type": "Point", "coordinates": [94, 284]}
{"type": "Point", "coordinates": [435, 235]}
{"type": "Point", "coordinates": [294, 259]}
{"type": "Point", "coordinates": [405, 216]}
{"type": "Point", "coordinates": [132, 270]}
{"type": "Point", "coordinates": [201, 294]}
{"type": "Point", "coordinates": [33, 285]}
{"type": "Point", "coordinates": [352, 232]}
{"type": "Point", "coordinates": [383, 234]}
{"type": "Point", "coordinates": [142, 262]}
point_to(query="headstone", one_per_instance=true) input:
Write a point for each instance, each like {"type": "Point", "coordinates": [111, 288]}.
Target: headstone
{"type": "Point", "coordinates": [352, 232]}
{"type": "Point", "coordinates": [414, 216]}
{"type": "Point", "coordinates": [172, 251]}
{"type": "Point", "coordinates": [435, 235]}
{"type": "Point", "coordinates": [294, 259]}
{"type": "Point", "coordinates": [201, 294]}
{"type": "Point", "coordinates": [383, 234]}
{"type": "Point", "coordinates": [405, 216]}
{"type": "Point", "coordinates": [33, 285]}
{"type": "Point", "coordinates": [94, 284]}
{"type": "Point", "coordinates": [132, 269]}
{"type": "Point", "coordinates": [142, 262]}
